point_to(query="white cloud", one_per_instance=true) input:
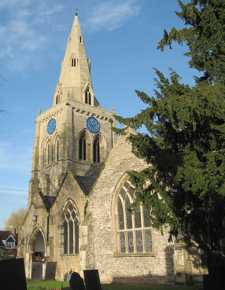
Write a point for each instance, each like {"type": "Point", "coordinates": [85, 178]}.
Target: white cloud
{"type": "Point", "coordinates": [23, 30]}
{"type": "Point", "coordinates": [110, 15]}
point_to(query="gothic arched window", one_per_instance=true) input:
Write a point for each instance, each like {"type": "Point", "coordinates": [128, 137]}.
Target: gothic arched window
{"type": "Point", "coordinates": [133, 226]}
{"type": "Point", "coordinates": [82, 146]}
{"type": "Point", "coordinates": [70, 230]}
{"type": "Point", "coordinates": [49, 153]}
{"type": "Point", "coordinates": [96, 150]}
{"type": "Point", "coordinates": [57, 99]}
{"type": "Point", "coordinates": [44, 155]}
{"type": "Point", "coordinates": [57, 148]}
{"type": "Point", "coordinates": [87, 96]}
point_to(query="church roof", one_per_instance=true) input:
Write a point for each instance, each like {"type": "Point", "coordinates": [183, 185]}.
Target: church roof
{"type": "Point", "coordinates": [48, 201]}
{"type": "Point", "coordinates": [86, 182]}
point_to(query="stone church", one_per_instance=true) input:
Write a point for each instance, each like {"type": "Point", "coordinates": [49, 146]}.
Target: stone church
{"type": "Point", "coordinates": [79, 195]}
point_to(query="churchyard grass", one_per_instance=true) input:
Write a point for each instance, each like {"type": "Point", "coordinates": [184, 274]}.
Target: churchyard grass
{"type": "Point", "coordinates": [48, 285]}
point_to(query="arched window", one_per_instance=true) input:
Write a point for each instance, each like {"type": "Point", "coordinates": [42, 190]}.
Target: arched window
{"type": "Point", "coordinates": [74, 61]}
{"type": "Point", "coordinates": [96, 150]}
{"type": "Point", "coordinates": [82, 146]}
{"type": "Point", "coordinates": [70, 230]}
{"type": "Point", "coordinates": [57, 99]}
{"type": "Point", "coordinates": [49, 153]}
{"type": "Point", "coordinates": [57, 148]}
{"type": "Point", "coordinates": [87, 96]}
{"type": "Point", "coordinates": [133, 226]}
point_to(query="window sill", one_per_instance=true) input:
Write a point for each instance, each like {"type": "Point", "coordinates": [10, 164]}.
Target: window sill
{"type": "Point", "coordinates": [70, 255]}
{"type": "Point", "coordinates": [130, 255]}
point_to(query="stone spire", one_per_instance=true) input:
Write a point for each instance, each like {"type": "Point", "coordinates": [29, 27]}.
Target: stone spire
{"type": "Point", "coordinates": [75, 75]}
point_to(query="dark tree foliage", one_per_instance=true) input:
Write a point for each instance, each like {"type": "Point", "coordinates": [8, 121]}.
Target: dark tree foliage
{"type": "Point", "coordinates": [184, 147]}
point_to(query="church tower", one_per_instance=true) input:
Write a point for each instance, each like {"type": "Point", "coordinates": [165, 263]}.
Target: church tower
{"type": "Point", "coordinates": [75, 134]}
{"type": "Point", "coordinates": [80, 194]}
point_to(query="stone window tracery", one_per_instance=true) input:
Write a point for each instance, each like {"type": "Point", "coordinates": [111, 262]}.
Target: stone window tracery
{"type": "Point", "coordinates": [133, 226]}
{"type": "Point", "coordinates": [70, 230]}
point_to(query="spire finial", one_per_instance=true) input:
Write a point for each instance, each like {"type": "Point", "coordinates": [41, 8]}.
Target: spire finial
{"type": "Point", "coordinates": [76, 12]}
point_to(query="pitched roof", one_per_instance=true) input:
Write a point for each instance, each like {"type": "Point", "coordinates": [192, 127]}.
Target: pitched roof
{"type": "Point", "coordinates": [48, 201]}
{"type": "Point", "coordinates": [87, 182]}
{"type": "Point", "coordinates": [4, 235]}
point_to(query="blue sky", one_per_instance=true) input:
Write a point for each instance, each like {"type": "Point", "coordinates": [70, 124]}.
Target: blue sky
{"type": "Point", "coordinates": [121, 38]}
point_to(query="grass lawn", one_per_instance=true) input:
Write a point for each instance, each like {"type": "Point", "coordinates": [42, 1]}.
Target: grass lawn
{"type": "Point", "coordinates": [46, 285]}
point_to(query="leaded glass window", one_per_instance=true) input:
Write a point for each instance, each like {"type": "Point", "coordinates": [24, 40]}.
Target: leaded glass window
{"type": "Point", "coordinates": [70, 230]}
{"type": "Point", "coordinates": [133, 225]}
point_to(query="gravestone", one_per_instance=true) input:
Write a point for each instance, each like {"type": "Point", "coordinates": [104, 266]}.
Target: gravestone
{"type": "Point", "coordinates": [12, 275]}
{"type": "Point", "coordinates": [216, 279]}
{"type": "Point", "coordinates": [37, 270]}
{"type": "Point", "coordinates": [76, 282]}
{"type": "Point", "coordinates": [92, 281]}
{"type": "Point", "coordinates": [50, 270]}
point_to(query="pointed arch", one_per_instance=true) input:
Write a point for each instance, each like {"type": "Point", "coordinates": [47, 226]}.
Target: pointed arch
{"type": "Point", "coordinates": [56, 148]}
{"type": "Point", "coordinates": [58, 99]}
{"type": "Point", "coordinates": [96, 149]}
{"type": "Point", "coordinates": [37, 236]}
{"type": "Point", "coordinates": [133, 232]}
{"type": "Point", "coordinates": [87, 95]}
{"type": "Point", "coordinates": [49, 152]}
{"type": "Point", "coordinates": [70, 226]}
{"type": "Point", "coordinates": [83, 145]}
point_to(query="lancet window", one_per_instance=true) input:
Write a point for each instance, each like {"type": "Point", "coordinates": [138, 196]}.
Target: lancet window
{"type": "Point", "coordinates": [74, 61]}
{"type": "Point", "coordinates": [49, 153]}
{"type": "Point", "coordinates": [57, 99]}
{"type": "Point", "coordinates": [70, 230]}
{"type": "Point", "coordinates": [87, 96]}
{"type": "Point", "coordinates": [96, 150]}
{"type": "Point", "coordinates": [57, 148]}
{"type": "Point", "coordinates": [133, 226]}
{"type": "Point", "coordinates": [82, 146]}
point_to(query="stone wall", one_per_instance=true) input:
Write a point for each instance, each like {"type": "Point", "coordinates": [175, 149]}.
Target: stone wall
{"type": "Point", "coordinates": [102, 240]}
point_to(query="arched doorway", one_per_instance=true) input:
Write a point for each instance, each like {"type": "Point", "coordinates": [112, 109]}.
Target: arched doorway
{"type": "Point", "coordinates": [38, 250]}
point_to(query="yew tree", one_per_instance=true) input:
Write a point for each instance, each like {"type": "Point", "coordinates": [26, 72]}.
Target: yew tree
{"type": "Point", "coordinates": [184, 135]}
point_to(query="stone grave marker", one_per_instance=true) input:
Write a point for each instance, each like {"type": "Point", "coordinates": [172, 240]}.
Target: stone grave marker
{"type": "Point", "coordinates": [76, 282]}
{"type": "Point", "coordinates": [92, 280]}
{"type": "Point", "coordinates": [12, 275]}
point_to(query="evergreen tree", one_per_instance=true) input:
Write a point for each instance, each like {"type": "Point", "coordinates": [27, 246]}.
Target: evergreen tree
{"type": "Point", "coordinates": [184, 147]}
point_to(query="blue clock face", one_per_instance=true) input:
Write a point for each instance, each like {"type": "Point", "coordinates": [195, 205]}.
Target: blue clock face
{"type": "Point", "coordinates": [51, 126]}
{"type": "Point", "coordinates": [93, 125]}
